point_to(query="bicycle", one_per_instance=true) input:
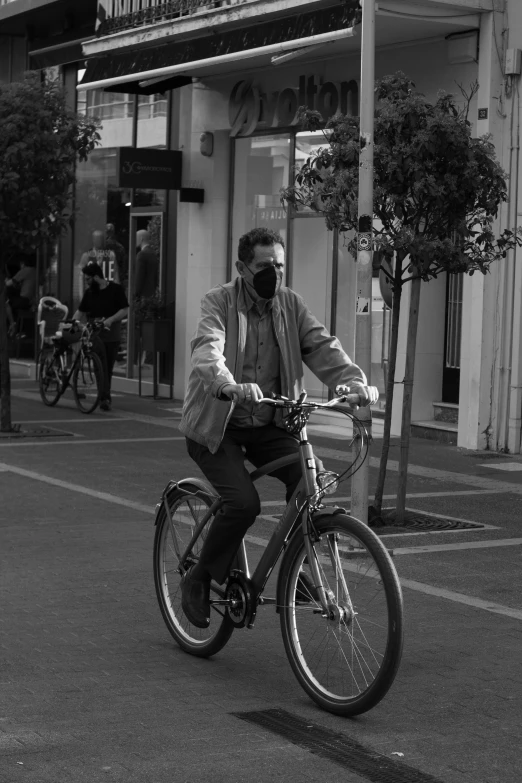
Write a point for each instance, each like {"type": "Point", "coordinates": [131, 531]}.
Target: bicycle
{"type": "Point", "coordinates": [338, 594]}
{"type": "Point", "coordinates": [84, 375]}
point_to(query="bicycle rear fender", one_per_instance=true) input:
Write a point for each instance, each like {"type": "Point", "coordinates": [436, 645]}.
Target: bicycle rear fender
{"type": "Point", "coordinates": [199, 483]}
{"type": "Point", "coordinates": [322, 513]}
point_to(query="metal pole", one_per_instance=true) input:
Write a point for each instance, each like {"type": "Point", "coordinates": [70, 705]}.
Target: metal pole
{"type": "Point", "coordinates": [363, 311]}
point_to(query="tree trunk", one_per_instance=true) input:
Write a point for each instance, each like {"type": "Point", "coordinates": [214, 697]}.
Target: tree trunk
{"type": "Point", "coordinates": [376, 509]}
{"type": "Point", "coordinates": [411, 343]}
{"type": "Point", "coordinates": [5, 376]}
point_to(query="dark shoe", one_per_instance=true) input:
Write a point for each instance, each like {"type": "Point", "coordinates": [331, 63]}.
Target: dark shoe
{"type": "Point", "coordinates": [305, 590]}
{"type": "Point", "coordinates": [195, 600]}
{"type": "Point", "coordinates": [105, 405]}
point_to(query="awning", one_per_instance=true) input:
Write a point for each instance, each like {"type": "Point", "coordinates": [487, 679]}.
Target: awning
{"type": "Point", "coordinates": [174, 64]}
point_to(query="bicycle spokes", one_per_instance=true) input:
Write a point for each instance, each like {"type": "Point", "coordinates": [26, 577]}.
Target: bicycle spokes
{"type": "Point", "coordinates": [344, 651]}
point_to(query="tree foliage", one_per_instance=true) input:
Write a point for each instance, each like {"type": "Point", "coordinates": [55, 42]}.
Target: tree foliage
{"type": "Point", "coordinates": [437, 189]}
{"type": "Point", "coordinates": [40, 141]}
{"type": "Point", "coordinates": [437, 194]}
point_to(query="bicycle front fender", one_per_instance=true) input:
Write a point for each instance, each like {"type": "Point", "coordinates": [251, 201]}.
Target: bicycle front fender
{"type": "Point", "coordinates": [329, 511]}
{"type": "Point", "coordinates": [200, 484]}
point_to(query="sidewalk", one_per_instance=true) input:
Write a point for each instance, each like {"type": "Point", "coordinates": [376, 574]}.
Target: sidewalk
{"type": "Point", "coordinates": [95, 689]}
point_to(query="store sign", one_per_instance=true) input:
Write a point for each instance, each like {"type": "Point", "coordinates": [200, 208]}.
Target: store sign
{"type": "Point", "coordinates": [149, 168]}
{"type": "Point", "coordinates": [251, 110]}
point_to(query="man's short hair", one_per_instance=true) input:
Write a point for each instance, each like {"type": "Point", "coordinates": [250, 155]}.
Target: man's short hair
{"type": "Point", "coordinates": [92, 270]}
{"type": "Point", "coordinates": [257, 236]}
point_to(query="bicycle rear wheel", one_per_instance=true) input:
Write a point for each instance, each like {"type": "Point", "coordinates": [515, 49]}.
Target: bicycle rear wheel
{"type": "Point", "coordinates": [346, 659]}
{"type": "Point", "coordinates": [87, 382]}
{"type": "Point", "coordinates": [49, 378]}
{"type": "Point", "coordinates": [187, 506]}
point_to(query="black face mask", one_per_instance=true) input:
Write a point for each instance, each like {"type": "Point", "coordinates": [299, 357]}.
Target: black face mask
{"type": "Point", "coordinates": [265, 282]}
{"type": "Point", "coordinates": [94, 285]}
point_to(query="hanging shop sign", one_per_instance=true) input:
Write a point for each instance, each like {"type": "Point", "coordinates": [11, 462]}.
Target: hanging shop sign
{"type": "Point", "coordinates": [149, 168]}
{"type": "Point", "coordinates": [251, 109]}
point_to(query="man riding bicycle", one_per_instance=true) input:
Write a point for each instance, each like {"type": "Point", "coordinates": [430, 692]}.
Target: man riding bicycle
{"type": "Point", "coordinates": [251, 340]}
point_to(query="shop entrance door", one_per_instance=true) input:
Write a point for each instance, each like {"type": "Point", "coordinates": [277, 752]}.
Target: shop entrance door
{"type": "Point", "coordinates": [153, 221]}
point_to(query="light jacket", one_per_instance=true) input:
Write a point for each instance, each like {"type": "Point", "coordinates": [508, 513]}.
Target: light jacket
{"type": "Point", "coordinates": [218, 350]}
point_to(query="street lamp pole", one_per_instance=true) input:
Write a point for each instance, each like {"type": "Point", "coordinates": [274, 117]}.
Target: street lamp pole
{"type": "Point", "coordinates": [363, 311]}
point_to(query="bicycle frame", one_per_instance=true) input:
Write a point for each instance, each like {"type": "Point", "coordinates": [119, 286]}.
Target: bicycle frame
{"type": "Point", "coordinates": [301, 499]}
{"type": "Point", "coordinates": [85, 346]}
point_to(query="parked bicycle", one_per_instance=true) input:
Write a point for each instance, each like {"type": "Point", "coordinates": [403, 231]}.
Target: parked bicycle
{"type": "Point", "coordinates": [338, 594]}
{"type": "Point", "coordinates": [84, 374]}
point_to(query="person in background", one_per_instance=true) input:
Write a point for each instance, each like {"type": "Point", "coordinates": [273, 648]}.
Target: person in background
{"type": "Point", "coordinates": [104, 299]}
{"type": "Point", "coordinates": [147, 267]}
{"type": "Point", "coordinates": [101, 255]}
{"type": "Point", "coordinates": [120, 254]}
{"type": "Point", "coordinates": [21, 293]}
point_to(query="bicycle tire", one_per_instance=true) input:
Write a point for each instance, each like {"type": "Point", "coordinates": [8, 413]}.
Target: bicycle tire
{"type": "Point", "coordinates": [49, 378]}
{"type": "Point", "coordinates": [187, 506]}
{"type": "Point", "coordinates": [346, 661]}
{"type": "Point", "coordinates": [87, 382]}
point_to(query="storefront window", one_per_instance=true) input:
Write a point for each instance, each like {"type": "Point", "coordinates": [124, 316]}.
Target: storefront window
{"type": "Point", "coordinates": [307, 144]}
{"type": "Point", "coordinates": [99, 202]}
{"type": "Point", "coordinates": [152, 121]}
{"type": "Point", "coordinates": [262, 166]}
{"type": "Point", "coordinates": [319, 266]}
{"type": "Point", "coordinates": [108, 216]}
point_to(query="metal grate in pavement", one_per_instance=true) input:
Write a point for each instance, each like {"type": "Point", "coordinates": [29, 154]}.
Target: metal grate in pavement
{"type": "Point", "coordinates": [336, 747]}
{"type": "Point", "coordinates": [416, 520]}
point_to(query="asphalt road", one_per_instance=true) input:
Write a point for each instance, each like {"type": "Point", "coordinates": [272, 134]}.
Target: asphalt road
{"type": "Point", "coordinates": [95, 689]}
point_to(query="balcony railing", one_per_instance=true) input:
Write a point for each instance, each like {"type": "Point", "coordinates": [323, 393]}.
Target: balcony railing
{"type": "Point", "coordinates": [116, 15]}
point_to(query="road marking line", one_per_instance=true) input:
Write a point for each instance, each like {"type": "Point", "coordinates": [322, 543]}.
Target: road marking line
{"type": "Point", "coordinates": [413, 550]}
{"type": "Point", "coordinates": [438, 592]}
{"type": "Point", "coordinates": [77, 488]}
{"type": "Point", "coordinates": [509, 466]}
{"type": "Point", "coordinates": [34, 395]}
{"type": "Point", "coordinates": [84, 420]}
{"type": "Point", "coordinates": [159, 422]}
{"type": "Point", "coordinates": [411, 584]}
{"type": "Point", "coordinates": [80, 439]}
{"type": "Point", "coordinates": [347, 498]}
{"type": "Point", "coordinates": [481, 482]}
{"type": "Point", "coordinates": [461, 598]}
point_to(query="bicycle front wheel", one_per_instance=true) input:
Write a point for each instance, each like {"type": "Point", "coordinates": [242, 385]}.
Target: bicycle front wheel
{"type": "Point", "coordinates": [187, 507]}
{"type": "Point", "coordinates": [87, 382]}
{"type": "Point", "coordinates": [49, 378]}
{"type": "Point", "coordinates": [345, 659]}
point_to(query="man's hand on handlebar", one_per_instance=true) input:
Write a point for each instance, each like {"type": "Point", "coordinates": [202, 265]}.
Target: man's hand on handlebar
{"type": "Point", "coordinates": [242, 392]}
{"type": "Point", "coordinates": [371, 392]}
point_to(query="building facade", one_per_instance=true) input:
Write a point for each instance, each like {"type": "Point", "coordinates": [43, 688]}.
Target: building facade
{"type": "Point", "coordinates": [221, 82]}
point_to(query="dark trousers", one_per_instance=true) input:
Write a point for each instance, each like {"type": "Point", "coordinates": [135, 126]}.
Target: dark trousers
{"type": "Point", "coordinates": [108, 353]}
{"type": "Point", "coordinates": [228, 475]}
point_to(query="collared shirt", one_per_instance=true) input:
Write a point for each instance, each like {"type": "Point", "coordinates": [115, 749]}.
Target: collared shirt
{"type": "Point", "coordinates": [261, 364]}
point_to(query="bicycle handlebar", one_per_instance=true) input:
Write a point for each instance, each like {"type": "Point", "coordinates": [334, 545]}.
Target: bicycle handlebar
{"type": "Point", "coordinates": [94, 323]}
{"type": "Point", "coordinates": [351, 399]}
